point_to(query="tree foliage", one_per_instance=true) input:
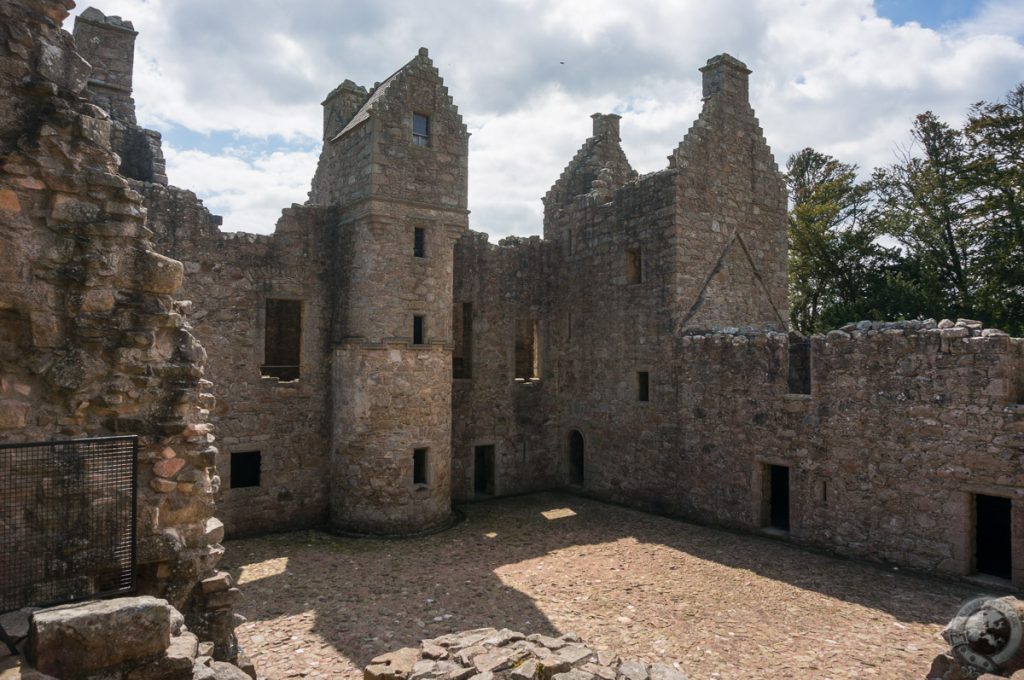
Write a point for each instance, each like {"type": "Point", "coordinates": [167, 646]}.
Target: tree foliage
{"type": "Point", "coordinates": [938, 233]}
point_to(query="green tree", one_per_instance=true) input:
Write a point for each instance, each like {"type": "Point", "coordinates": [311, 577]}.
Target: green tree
{"type": "Point", "coordinates": [995, 142]}
{"type": "Point", "coordinates": [925, 202]}
{"type": "Point", "coordinates": [838, 271]}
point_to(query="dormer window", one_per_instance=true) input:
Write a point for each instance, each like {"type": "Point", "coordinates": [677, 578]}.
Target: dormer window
{"type": "Point", "coordinates": [420, 129]}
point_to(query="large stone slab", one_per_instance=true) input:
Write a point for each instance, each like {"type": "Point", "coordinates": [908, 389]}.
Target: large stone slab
{"type": "Point", "coordinates": [75, 641]}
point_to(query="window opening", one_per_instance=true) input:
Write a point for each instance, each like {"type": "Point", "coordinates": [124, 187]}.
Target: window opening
{"type": "Point", "coordinates": [418, 242]}
{"type": "Point", "coordinates": [418, 330]}
{"type": "Point", "coordinates": [800, 367]}
{"type": "Point", "coordinates": [462, 353]}
{"type": "Point", "coordinates": [246, 468]}
{"type": "Point", "coordinates": [282, 339]}
{"type": "Point", "coordinates": [419, 466]}
{"type": "Point", "coordinates": [634, 266]}
{"type": "Point", "coordinates": [420, 129]}
{"type": "Point", "coordinates": [527, 342]}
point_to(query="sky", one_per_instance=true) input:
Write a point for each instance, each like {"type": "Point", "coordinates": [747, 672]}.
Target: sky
{"type": "Point", "coordinates": [235, 88]}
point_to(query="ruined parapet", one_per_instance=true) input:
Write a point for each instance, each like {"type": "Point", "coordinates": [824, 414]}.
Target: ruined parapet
{"type": "Point", "coordinates": [93, 341]}
{"type": "Point", "coordinates": [593, 175]}
{"type": "Point", "coordinates": [108, 44]}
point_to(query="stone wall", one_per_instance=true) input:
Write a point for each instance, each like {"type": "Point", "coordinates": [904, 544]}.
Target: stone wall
{"type": "Point", "coordinates": [904, 426]}
{"type": "Point", "coordinates": [94, 343]}
{"type": "Point", "coordinates": [231, 276]}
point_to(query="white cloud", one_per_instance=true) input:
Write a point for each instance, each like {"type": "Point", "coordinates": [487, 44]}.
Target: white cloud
{"type": "Point", "coordinates": [527, 74]}
{"type": "Point", "coordinates": [250, 189]}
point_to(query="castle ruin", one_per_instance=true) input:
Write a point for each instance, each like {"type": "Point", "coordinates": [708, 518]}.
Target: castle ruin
{"type": "Point", "coordinates": [375, 360]}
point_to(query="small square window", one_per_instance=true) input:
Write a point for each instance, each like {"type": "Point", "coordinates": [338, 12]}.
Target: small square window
{"type": "Point", "coordinates": [419, 242]}
{"type": "Point", "coordinates": [420, 129]}
{"type": "Point", "coordinates": [245, 469]}
{"type": "Point", "coordinates": [417, 330]}
{"type": "Point", "coordinates": [419, 466]}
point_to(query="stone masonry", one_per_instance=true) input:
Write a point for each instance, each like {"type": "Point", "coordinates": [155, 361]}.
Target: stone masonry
{"type": "Point", "coordinates": [638, 352]}
{"type": "Point", "coordinates": [92, 340]}
{"type": "Point", "coordinates": [374, 360]}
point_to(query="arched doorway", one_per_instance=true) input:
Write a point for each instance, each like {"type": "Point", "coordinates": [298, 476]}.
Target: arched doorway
{"type": "Point", "coordinates": [576, 458]}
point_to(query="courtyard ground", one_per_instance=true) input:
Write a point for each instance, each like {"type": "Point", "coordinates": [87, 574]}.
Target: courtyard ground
{"type": "Point", "coordinates": [721, 604]}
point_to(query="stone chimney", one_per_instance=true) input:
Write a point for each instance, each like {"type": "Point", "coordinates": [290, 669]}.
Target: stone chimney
{"type": "Point", "coordinates": [728, 76]}
{"type": "Point", "coordinates": [606, 125]}
{"type": "Point", "coordinates": [340, 106]}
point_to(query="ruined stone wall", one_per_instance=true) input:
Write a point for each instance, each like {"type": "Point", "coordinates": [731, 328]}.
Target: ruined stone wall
{"type": "Point", "coordinates": [503, 283]}
{"type": "Point", "coordinates": [108, 44]}
{"type": "Point", "coordinates": [905, 423]}
{"type": "Point", "coordinates": [93, 342]}
{"type": "Point", "coordinates": [229, 277]}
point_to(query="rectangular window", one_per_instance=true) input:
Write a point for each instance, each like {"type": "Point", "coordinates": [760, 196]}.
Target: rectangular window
{"type": "Point", "coordinates": [527, 343]}
{"type": "Point", "coordinates": [245, 469]}
{"type": "Point", "coordinates": [420, 129]}
{"type": "Point", "coordinates": [282, 339]}
{"type": "Point", "coordinates": [419, 466]}
{"type": "Point", "coordinates": [462, 327]}
{"type": "Point", "coordinates": [634, 266]}
{"type": "Point", "coordinates": [417, 330]}
{"type": "Point", "coordinates": [643, 379]}
{"type": "Point", "coordinates": [800, 367]}
{"type": "Point", "coordinates": [418, 242]}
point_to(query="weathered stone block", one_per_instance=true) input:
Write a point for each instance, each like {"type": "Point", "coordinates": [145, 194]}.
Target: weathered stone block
{"type": "Point", "coordinates": [13, 414]}
{"type": "Point", "coordinates": [75, 641]}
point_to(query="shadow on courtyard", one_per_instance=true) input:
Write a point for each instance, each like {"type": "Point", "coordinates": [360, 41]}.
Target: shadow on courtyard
{"type": "Point", "coordinates": [366, 597]}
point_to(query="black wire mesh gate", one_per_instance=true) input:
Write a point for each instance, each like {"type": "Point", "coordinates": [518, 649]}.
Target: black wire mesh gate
{"type": "Point", "coordinates": [67, 520]}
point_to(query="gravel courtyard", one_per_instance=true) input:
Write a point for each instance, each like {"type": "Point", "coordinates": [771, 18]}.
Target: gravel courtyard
{"type": "Point", "coordinates": [722, 605]}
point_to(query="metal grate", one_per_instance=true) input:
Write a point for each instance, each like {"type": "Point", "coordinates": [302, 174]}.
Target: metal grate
{"type": "Point", "coordinates": [67, 520]}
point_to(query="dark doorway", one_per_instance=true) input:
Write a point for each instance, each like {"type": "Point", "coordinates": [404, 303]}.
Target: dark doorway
{"type": "Point", "coordinates": [483, 470]}
{"type": "Point", "coordinates": [576, 458]}
{"type": "Point", "coordinates": [778, 497]}
{"type": "Point", "coordinates": [992, 535]}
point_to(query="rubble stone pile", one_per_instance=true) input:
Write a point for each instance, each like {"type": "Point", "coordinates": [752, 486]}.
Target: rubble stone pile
{"type": "Point", "coordinates": [492, 654]}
